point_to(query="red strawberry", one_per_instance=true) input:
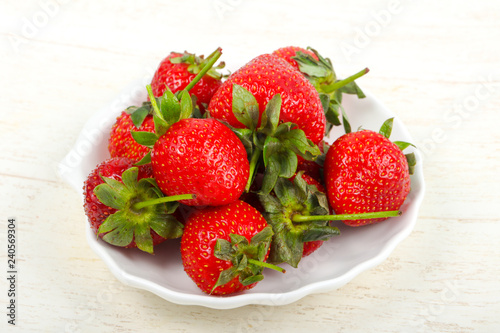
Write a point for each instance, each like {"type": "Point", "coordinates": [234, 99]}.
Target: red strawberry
{"type": "Point", "coordinates": [202, 157]}
{"type": "Point", "coordinates": [223, 247]}
{"type": "Point", "coordinates": [121, 142]}
{"type": "Point", "coordinates": [111, 190]}
{"type": "Point", "coordinates": [287, 53]}
{"type": "Point", "coordinates": [366, 172]}
{"type": "Point", "coordinates": [268, 75]}
{"type": "Point", "coordinates": [177, 70]}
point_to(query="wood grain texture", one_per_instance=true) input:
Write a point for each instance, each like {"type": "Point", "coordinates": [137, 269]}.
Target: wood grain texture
{"type": "Point", "coordinates": [435, 64]}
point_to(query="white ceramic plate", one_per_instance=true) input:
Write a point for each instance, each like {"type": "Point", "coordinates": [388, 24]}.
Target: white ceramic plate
{"type": "Point", "coordinates": [337, 262]}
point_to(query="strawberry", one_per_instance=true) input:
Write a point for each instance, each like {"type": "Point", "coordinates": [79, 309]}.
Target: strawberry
{"type": "Point", "coordinates": [202, 157]}
{"type": "Point", "coordinates": [265, 76]}
{"type": "Point", "coordinates": [177, 70]}
{"type": "Point", "coordinates": [366, 172]}
{"type": "Point", "coordinates": [223, 248]}
{"type": "Point", "coordinates": [289, 52]}
{"type": "Point", "coordinates": [125, 207]}
{"type": "Point", "coordinates": [121, 143]}
{"type": "Point", "coordinates": [275, 112]}
{"type": "Point", "coordinates": [319, 71]}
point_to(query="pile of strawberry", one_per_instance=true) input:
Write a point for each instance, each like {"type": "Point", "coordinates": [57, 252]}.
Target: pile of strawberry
{"type": "Point", "coordinates": [237, 167]}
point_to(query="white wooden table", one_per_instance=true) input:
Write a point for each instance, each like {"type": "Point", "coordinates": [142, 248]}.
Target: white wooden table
{"type": "Point", "coordinates": [435, 63]}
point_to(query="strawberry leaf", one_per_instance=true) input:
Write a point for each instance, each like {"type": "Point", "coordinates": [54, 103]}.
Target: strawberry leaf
{"type": "Point", "coordinates": [139, 114]}
{"type": "Point", "coordinates": [223, 250]}
{"type": "Point", "coordinates": [386, 128]}
{"type": "Point", "coordinates": [271, 176]}
{"type": "Point", "coordinates": [161, 126]}
{"type": "Point", "coordinates": [245, 107]}
{"type": "Point", "coordinates": [142, 237]}
{"type": "Point", "coordinates": [110, 193]}
{"type": "Point", "coordinates": [345, 122]}
{"type": "Point", "coordinates": [118, 229]}
{"type": "Point", "coordinates": [246, 137]}
{"type": "Point", "coordinates": [145, 160]}
{"type": "Point", "coordinates": [178, 60]}
{"type": "Point", "coordinates": [319, 233]}
{"type": "Point", "coordinates": [271, 204]}
{"type": "Point", "coordinates": [297, 141]}
{"type": "Point", "coordinates": [170, 108]}
{"type": "Point", "coordinates": [403, 144]}
{"type": "Point", "coordinates": [145, 138]}
{"type": "Point", "coordinates": [129, 178]}
{"type": "Point", "coordinates": [271, 116]}
{"type": "Point", "coordinates": [319, 72]}
{"type": "Point", "coordinates": [279, 161]}
{"type": "Point", "coordinates": [252, 279]}
{"type": "Point", "coordinates": [186, 105]}
{"type": "Point", "coordinates": [412, 162]}
{"type": "Point", "coordinates": [167, 226]}
{"type": "Point", "coordinates": [225, 276]}
{"type": "Point", "coordinates": [287, 245]}
{"type": "Point", "coordinates": [310, 66]}
{"type": "Point", "coordinates": [353, 89]}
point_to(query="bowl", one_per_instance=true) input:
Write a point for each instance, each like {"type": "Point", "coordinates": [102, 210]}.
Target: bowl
{"type": "Point", "coordinates": [336, 263]}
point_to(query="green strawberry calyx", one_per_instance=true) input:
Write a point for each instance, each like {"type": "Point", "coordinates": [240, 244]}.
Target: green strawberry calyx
{"type": "Point", "coordinates": [139, 113]}
{"type": "Point", "coordinates": [274, 144]}
{"type": "Point", "coordinates": [287, 200]}
{"type": "Point", "coordinates": [141, 207]}
{"type": "Point", "coordinates": [197, 63]}
{"type": "Point", "coordinates": [322, 76]}
{"type": "Point", "coordinates": [247, 258]}
{"type": "Point", "coordinates": [170, 108]}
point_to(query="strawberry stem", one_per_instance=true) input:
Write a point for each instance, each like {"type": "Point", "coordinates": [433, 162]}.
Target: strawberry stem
{"type": "Point", "coordinates": [253, 164]}
{"type": "Point", "coordinates": [266, 265]}
{"type": "Point", "coordinates": [142, 204]}
{"type": "Point", "coordinates": [214, 57]}
{"type": "Point", "coordinates": [339, 84]}
{"type": "Point", "coordinates": [375, 215]}
{"type": "Point", "coordinates": [152, 98]}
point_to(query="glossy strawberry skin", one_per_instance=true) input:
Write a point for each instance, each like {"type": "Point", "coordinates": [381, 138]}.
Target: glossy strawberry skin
{"type": "Point", "coordinates": [122, 144]}
{"type": "Point", "coordinates": [365, 172]}
{"type": "Point", "coordinates": [201, 157]}
{"type": "Point", "coordinates": [113, 168]}
{"type": "Point", "coordinates": [266, 76]}
{"type": "Point", "coordinates": [177, 76]}
{"type": "Point", "coordinates": [201, 232]}
{"type": "Point", "coordinates": [286, 53]}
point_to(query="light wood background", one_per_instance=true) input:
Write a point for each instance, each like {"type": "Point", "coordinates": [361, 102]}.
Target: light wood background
{"type": "Point", "coordinates": [434, 63]}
